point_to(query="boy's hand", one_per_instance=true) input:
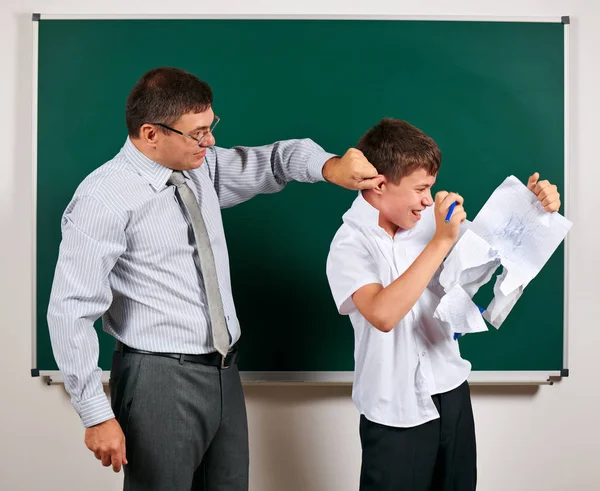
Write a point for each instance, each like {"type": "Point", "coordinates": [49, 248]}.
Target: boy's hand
{"type": "Point", "coordinates": [447, 232]}
{"type": "Point", "coordinates": [547, 193]}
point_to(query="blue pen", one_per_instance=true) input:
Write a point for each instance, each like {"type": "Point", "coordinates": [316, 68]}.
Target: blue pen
{"type": "Point", "coordinates": [450, 210]}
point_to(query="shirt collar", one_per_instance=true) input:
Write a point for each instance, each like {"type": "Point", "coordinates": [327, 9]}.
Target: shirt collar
{"type": "Point", "coordinates": [363, 213]}
{"type": "Point", "coordinates": [156, 174]}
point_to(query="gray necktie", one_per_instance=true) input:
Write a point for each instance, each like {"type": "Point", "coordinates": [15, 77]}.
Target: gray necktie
{"type": "Point", "coordinates": [220, 334]}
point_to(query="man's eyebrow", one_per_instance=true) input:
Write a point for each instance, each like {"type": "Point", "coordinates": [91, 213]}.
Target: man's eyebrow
{"type": "Point", "coordinates": [205, 127]}
{"type": "Point", "coordinates": [423, 185]}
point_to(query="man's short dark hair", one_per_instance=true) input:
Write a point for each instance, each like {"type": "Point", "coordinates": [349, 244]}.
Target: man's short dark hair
{"type": "Point", "coordinates": [163, 95]}
{"type": "Point", "coordinates": [396, 149]}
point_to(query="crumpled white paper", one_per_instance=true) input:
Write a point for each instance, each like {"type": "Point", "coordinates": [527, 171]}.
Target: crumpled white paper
{"type": "Point", "coordinates": [513, 230]}
{"type": "Point", "coordinates": [459, 312]}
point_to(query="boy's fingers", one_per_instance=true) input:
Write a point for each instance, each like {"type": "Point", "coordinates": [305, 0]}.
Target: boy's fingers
{"type": "Point", "coordinates": [533, 179]}
{"type": "Point", "coordinates": [452, 198]}
{"type": "Point", "coordinates": [459, 217]}
{"type": "Point", "coordinates": [551, 204]}
{"type": "Point", "coordinates": [458, 198]}
{"type": "Point", "coordinates": [547, 192]}
{"type": "Point", "coordinates": [440, 196]}
{"type": "Point", "coordinates": [540, 186]}
{"type": "Point", "coordinates": [458, 211]}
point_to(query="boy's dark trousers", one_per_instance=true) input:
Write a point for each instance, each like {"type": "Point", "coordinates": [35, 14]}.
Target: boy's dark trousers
{"type": "Point", "coordinates": [439, 455]}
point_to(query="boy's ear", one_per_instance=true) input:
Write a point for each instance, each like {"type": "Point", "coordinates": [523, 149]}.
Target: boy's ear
{"type": "Point", "coordinates": [381, 185]}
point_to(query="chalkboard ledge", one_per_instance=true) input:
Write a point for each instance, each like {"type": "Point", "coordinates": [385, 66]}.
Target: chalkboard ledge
{"type": "Point", "coordinates": [345, 378]}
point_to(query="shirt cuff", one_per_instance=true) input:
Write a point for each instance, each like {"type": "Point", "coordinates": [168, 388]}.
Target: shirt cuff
{"type": "Point", "coordinates": [95, 410]}
{"type": "Point", "coordinates": [316, 163]}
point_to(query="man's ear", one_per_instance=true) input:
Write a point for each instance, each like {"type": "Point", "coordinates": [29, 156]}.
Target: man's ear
{"type": "Point", "coordinates": [149, 134]}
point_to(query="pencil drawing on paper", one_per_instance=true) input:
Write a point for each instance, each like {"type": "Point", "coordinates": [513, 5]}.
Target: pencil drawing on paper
{"type": "Point", "coordinates": [511, 235]}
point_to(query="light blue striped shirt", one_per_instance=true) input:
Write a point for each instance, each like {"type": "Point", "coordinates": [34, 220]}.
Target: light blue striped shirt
{"type": "Point", "coordinates": [126, 255]}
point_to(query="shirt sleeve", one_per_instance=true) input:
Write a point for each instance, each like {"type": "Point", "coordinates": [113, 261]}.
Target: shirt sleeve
{"type": "Point", "coordinates": [240, 173]}
{"type": "Point", "coordinates": [93, 238]}
{"type": "Point", "coordinates": [350, 266]}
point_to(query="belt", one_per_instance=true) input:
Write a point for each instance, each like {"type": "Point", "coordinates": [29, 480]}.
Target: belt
{"type": "Point", "coordinates": [214, 359]}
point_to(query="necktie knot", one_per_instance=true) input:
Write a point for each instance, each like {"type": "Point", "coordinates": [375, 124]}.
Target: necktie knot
{"type": "Point", "coordinates": [176, 179]}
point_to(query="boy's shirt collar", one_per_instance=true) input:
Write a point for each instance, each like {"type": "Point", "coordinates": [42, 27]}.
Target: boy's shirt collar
{"type": "Point", "coordinates": [363, 214]}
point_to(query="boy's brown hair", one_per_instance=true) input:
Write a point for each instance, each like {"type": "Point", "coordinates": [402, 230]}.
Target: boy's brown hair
{"type": "Point", "coordinates": [397, 149]}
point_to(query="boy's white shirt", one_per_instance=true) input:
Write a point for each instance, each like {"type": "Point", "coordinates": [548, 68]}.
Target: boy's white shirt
{"type": "Point", "coordinates": [396, 373]}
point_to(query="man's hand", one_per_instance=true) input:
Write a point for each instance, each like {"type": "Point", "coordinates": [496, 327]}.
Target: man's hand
{"type": "Point", "coordinates": [547, 193]}
{"type": "Point", "coordinates": [447, 232]}
{"type": "Point", "coordinates": [352, 171]}
{"type": "Point", "coordinates": [107, 441]}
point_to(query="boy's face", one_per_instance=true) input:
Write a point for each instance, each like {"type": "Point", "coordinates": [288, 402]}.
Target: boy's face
{"type": "Point", "coordinates": [402, 204]}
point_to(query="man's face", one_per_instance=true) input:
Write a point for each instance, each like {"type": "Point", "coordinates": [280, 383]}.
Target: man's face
{"type": "Point", "coordinates": [181, 153]}
{"type": "Point", "coordinates": [401, 204]}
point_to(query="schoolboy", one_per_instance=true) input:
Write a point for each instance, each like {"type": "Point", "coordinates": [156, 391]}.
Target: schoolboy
{"type": "Point", "coordinates": [410, 382]}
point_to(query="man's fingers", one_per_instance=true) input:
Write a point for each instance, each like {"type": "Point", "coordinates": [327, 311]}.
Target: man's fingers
{"type": "Point", "coordinates": [365, 170]}
{"type": "Point", "coordinates": [533, 179]}
{"type": "Point", "coordinates": [370, 183]}
{"type": "Point", "coordinates": [117, 459]}
{"type": "Point", "coordinates": [352, 171]}
{"type": "Point", "coordinates": [354, 152]}
{"type": "Point", "coordinates": [124, 453]}
{"type": "Point", "coordinates": [107, 442]}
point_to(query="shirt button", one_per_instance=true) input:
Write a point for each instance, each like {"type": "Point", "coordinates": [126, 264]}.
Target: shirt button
{"type": "Point", "coordinates": [423, 354]}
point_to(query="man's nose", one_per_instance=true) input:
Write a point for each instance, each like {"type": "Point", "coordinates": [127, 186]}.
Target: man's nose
{"type": "Point", "coordinates": [207, 140]}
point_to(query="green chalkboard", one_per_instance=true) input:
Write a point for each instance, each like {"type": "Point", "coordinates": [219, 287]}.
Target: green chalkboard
{"type": "Point", "coordinates": [490, 93]}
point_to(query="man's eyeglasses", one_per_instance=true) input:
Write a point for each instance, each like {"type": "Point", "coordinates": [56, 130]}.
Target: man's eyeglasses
{"type": "Point", "coordinates": [198, 136]}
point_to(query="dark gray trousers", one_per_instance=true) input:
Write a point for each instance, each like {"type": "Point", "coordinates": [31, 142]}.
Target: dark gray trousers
{"type": "Point", "coordinates": [439, 455]}
{"type": "Point", "coordinates": [185, 424]}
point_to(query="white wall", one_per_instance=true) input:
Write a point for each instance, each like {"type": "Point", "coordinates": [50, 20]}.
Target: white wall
{"type": "Point", "coordinates": [305, 438]}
